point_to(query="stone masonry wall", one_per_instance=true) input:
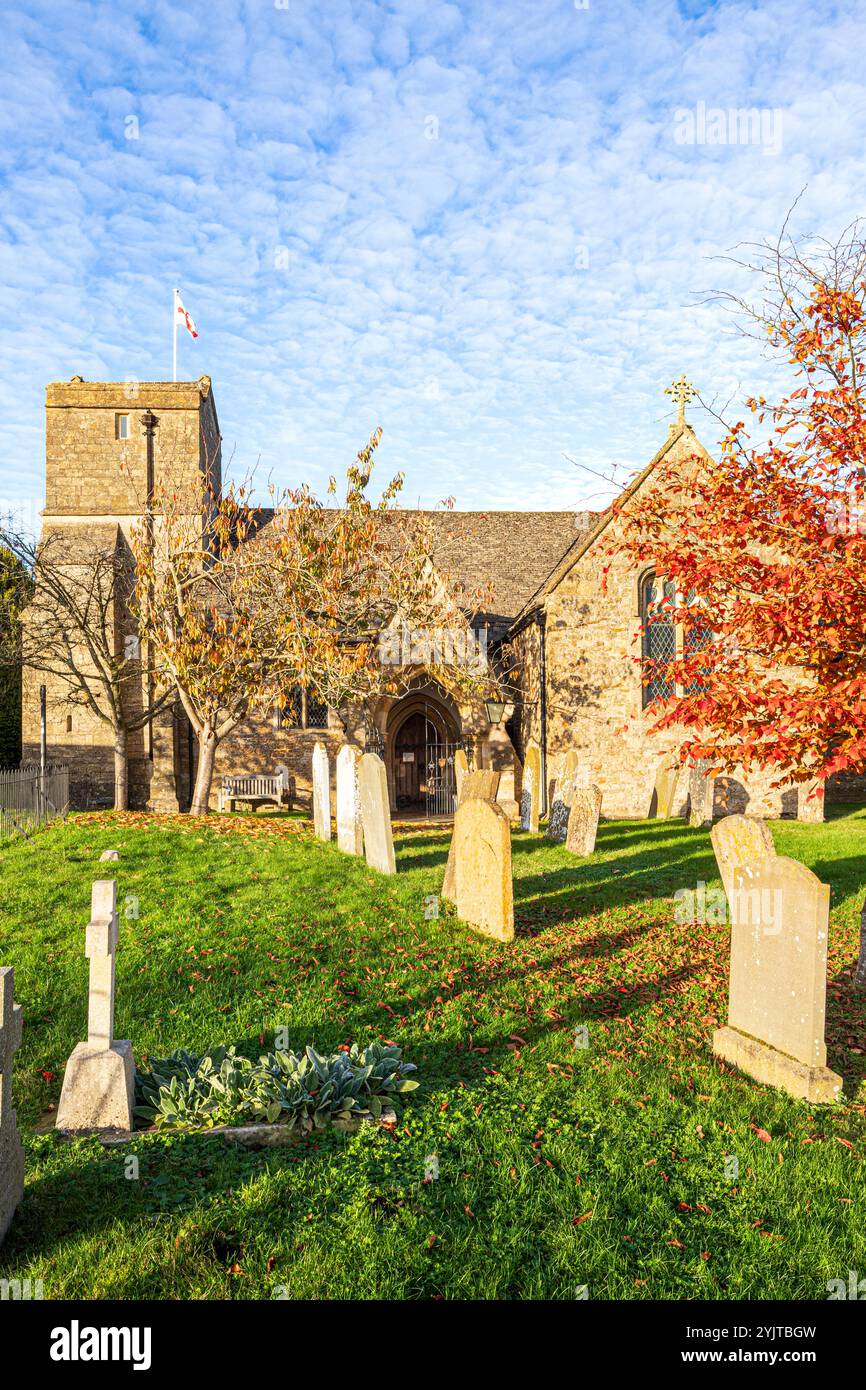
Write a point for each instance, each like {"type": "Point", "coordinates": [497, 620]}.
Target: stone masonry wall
{"type": "Point", "coordinates": [594, 694]}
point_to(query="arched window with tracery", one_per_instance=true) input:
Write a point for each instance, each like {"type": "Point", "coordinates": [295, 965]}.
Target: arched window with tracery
{"type": "Point", "coordinates": [659, 634]}
{"type": "Point", "coordinates": [665, 640]}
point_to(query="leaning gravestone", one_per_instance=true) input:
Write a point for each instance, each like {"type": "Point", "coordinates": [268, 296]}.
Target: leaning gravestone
{"type": "Point", "coordinates": [482, 868]}
{"type": "Point", "coordinates": [666, 786]}
{"type": "Point", "coordinates": [461, 769]}
{"type": "Point", "coordinates": [98, 1087]}
{"type": "Point", "coordinates": [321, 792]}
{"type": "Point", "coordinates": [778, 980]}
{"type": "Point", "coordinates": [557, 821]}
{"type": "Point", "coordinates": [483, 785]}
{"type": "Point", "coordinates": [11, 1151]}
{"type": "Point", "coordinates": [740, 842]}
{"type": "Point", "coordinates": [376, 814]}
{"type": "Point", "coordinates": [350, 831]}
{"type": "Point", "coordinates": [530, 796]}
{"type": "Point", "coordinates": [583, 820]}
{"type": "Point", "coordinates": [700, 795]}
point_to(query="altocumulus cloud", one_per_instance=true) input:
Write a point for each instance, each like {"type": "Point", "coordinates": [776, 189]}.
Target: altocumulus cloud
{"type": "Point", "coordinates": [472, 223]}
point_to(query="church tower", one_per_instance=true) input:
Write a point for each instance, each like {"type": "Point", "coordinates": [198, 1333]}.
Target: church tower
{"type": "Point", "coordinates": [96, 457]}
{"type": "Point", "coordinates": [107, 444]}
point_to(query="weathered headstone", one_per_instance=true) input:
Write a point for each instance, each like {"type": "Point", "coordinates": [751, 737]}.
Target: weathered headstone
{"type": "Point", "coordinates": [108, 856]}
{"type": "Point", "coordinates": [810, 804]}
{"type": "Point", "coordinates": [99, 1082]}
{"type": "Point", "coordinates": [859, 980]}
{"type": "Point", "coordinates": [461, 768]}
{"type": "Point", "coordinates": [286, 782]}
{"type": "Point", "coordinates": [505, 796]}
{"type": "Point", "coordinates": [483, 785]}
{"type": "Point", "coordinates": [11, 1151]}
{"type": "Point", "coordinates": [740, 842]}
{"type": "Point", "coordinates": [375, 814]}
{"type": "Point", "coordinates": [583, 820]}
{"type": "Point", "coordinates": [350, 831]}
{"type": "Point", "coordinates": [778, 979]}
{"type": "Point", "coordinates": [530, 796]}
{"type": "Point", "coordinates": [557, 821]}
{"type": "Point", "coordinates": [482, 868]}
{"type": "Point", "coordinates": [700, 795]}
{"type": "Point", "coordinates": [321, 792]}
{"type": "Point", "coordinates": [666, 786]}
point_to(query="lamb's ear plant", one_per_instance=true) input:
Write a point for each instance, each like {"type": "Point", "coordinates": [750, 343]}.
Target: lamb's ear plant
{"type": "Point", "coordinates": [305, 1091]}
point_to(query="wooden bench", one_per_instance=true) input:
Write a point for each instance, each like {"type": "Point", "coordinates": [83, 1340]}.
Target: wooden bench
{"type": "Point", "coordinates": [256, 790]}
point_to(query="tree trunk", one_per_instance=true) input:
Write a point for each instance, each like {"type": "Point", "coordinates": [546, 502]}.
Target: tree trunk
{"type": "Point", "coordinates": [121, 771]}
{"type": "Point", "coordinates": [860, 972]}
{"type": "Point", "coordinates": [207, 746]}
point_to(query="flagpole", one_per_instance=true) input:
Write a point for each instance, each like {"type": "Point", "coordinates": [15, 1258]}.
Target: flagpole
{"type": "Point", "coordinates": [174, 335]}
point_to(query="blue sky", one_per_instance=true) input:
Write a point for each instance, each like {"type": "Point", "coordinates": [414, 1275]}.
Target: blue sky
{"type": "Point", "coordinates": [478, 224]}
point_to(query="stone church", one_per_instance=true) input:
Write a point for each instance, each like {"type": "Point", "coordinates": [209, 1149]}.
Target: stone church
{"type": "Point", "coordinates": [572, 647]}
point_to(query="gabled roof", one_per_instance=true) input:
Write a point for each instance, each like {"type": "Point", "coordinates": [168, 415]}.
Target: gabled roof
{"type": "Point", "coordinates": [584, 542]}
{"type": "Point", "coordinates": [509, 553]}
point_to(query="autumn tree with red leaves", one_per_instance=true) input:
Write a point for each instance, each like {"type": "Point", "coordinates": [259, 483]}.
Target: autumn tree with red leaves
{"type": "Point", "coordinates": [767, 544]}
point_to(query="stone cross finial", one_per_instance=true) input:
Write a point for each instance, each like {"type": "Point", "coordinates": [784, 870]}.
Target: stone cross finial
{"type": "Point", "coordinates": [681, 392]}
{"type": "Point", "coordinates": [99, 947]}
{"type": "Point", "coordinates": [11, 1152]}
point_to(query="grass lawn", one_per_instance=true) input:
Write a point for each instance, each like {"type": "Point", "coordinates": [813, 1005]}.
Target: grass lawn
{"type": "Point", "coordinates": [560, 1167]}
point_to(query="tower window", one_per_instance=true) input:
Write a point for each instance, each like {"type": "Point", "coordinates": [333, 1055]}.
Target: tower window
{"type": "Point", "coordinates": [121, 426]}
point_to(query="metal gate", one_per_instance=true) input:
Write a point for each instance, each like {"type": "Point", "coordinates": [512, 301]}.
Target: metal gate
{"type": "Point", "coordinates": [440, 783]}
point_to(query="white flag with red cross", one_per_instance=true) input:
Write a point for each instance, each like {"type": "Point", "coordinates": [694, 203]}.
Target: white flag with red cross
{"type": "Point", "coordinates": [182, 318]}
{"type": "Point", "coordinates": [179, 318]}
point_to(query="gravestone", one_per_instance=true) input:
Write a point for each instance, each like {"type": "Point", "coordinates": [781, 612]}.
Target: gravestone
{"type": "Point", "coordinates": [108, 855]}
{"type": "Point", "coordinates": [810, 806]}
{"type": "Point", "coordinates": [666, 786]}
{"type": "Point", "coordinates": [321, 792]}
{"type": "Point", "coordinates": [859, 980]}
{"type": "Point", "coordinates": [98, 1086]}
{"type": "Point", "coordinates": [461, 768]}
{"type": "Point", "coordinates": [376, 814]}
{"type": "Point", "coordinates": [11, 1151]}
{"type": "Point", "coordinates": [780, 915]}
{"type": "Point", "coordinates": [482, 868]}
{"type": "Point", "coordinates": [350, 831]}
{"type": "Point", "coordinates": [557, 821]}
{"type": "Point", "coordinates": [530, 796]}
{"type": "Point", "coordinates": [740, 841]}
{"type": "Point", "coordinates": [583, 820]}
{"type": "Point", "coordinates": [287, 783]}
{"type": "Point", "coordinates": [700, 795]}
{"type": "Point", "coordinates": [505, 796]}
{"type": "Point", "coordinates": [483, 785]}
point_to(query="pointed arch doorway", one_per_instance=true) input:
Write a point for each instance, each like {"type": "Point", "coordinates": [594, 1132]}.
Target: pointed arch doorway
{"type": "Point", "coordinates": [422, 737]}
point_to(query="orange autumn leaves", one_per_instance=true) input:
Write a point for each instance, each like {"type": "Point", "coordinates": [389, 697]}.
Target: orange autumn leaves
{"type": "Point", "coordinates": [767, 545]}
